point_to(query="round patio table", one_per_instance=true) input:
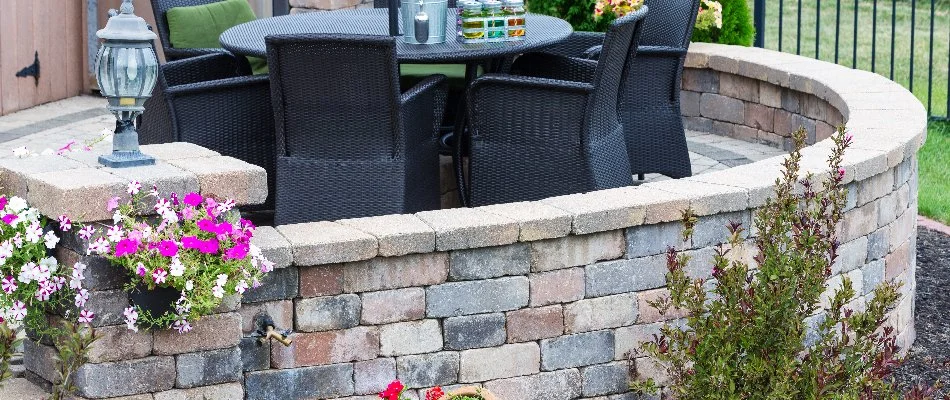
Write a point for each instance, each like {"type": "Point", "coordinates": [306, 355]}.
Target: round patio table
{"type": "Point", "coordinates": [248, 38]}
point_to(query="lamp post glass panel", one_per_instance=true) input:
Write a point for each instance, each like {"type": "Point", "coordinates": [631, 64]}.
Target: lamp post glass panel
{"type": "Point", "coordinates": [126, 68]}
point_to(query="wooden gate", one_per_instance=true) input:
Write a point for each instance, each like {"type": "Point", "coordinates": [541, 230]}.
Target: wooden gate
{"type": "Point", "coordinates": [50, 31]}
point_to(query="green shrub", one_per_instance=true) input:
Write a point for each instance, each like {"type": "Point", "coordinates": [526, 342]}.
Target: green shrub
{"type": "Point", "coordinates": [579, 13]}
{"type": "Point", "coordinates": [746, 335]}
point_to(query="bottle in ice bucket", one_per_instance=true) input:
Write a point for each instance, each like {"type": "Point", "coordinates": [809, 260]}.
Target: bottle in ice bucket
{"type": "Point", "coordinates": [473, 24]}
{"type": "Point", "coordinates": [514, 17]}
{"type": "Point", "coordinates": [494, 21]}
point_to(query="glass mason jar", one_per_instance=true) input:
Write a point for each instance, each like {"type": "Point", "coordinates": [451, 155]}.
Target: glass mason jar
{"type": "Point", "coordinates": [494, 21]}
{"type": "Point", "coordinates": [473, 23]}
{"type": "Point", "coordinates": [514, 18]}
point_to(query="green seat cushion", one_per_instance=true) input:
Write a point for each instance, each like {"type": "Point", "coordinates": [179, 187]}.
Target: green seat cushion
{"type": "Point", "coordinates": [199, 27]}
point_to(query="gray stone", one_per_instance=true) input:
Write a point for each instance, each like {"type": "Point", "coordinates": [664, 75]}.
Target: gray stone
{"type": "Point", "coordinates": [464, 228]}
{"type": "Point", "coordinates": [279, 284]}
{"type": "Point", "coordinates": [233, 390]}
{"type": "Point", "coordinates": [255, 356]}
{"type": "Point", "coordinates": [648, 240]}
{"type": "Point", "coordinates": [108, 305]}
{"type": "Point", "coordinates": [878, 244]}
{"type": "Point", "coordinates": [327, 313]}
{"type": "Point", "coordinates": [701, 80]}
{"type": "Point", "coordinates": [389, 306]}
{"type": "Point", "coordinates": [100, 274]}
{"type": "Point", "coordinates": [273, 245]}
{"type": "Point", "coordinates": [476, 297]}
{"type": "Point", "coordinates": [605, 379]}
{"type": "Point", "coordinates": [812, 324]}
{"type": "Point", "coordinates": [371, 377]}
{"type": "Point", "coordinates": [722, 108]}
{"type": "Point", "coordinates": [427, 370]}
{"type": "Point", "coordinates": [873, 274]}
{"type": "Point", "coordinates": [41, 360]}
{"type": "Point", "coordinates": [324, 242]}
{"type": "Point", "coordinates": [903, 172]}
{"type": "Point", "coordinates": [410, 338]}
{"type": "Point", "coordinates": [208, 367]}
{"type": "Point", "coordinates": [851, 255]}
{"type": "Point", "coordinates": [117, 342]}
{"type": "Point", "coordinates": [712, 230]}
{"type": "Point", "coordinates": [574, 250]}
{"type": "Point", "coordinates": [601, 313]}
{"type": "Point", "coordinates": [123, 378]}
{"type": "Point", "coordinates": [397, 234]}
{"type": "Point", "coordinates": [623, 276]}
{"type": "Point", "coordinates": [577, 350]}
{"type": "Point", "coordinates": [507, 361]}
{"type": "Point", "coordinates": [490, 262]}
{"type": "Point", "coordinates": [558, 385]}
{"type": "Point", "coordinates": [473, 331]}
{"type": "Point", "coordinates": [323, 382]}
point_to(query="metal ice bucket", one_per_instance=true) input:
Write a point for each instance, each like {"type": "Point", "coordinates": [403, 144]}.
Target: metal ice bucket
{"type": "Point", "coordinates": [423, 21]}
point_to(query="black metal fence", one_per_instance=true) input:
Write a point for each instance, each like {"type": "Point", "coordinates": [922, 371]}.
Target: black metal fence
{"type": "Point", "coordinates": [907, 41]}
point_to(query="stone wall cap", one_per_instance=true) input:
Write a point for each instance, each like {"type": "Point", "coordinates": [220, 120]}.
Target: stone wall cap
{"type": "Point", "coordinates": [325, 242]}
{"type": "Point", "coordinates": [397, 234]}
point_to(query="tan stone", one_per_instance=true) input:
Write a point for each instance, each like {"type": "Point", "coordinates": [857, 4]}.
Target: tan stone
{"type": "Point", "coordinates": [559, 286]}
{"type": "Point", "coordinates": [323, 348]}
{"type": "Point", "coordinates": [321, 280]}
{"type": "Point", "coordinates": [534, 324]}
{"type": "Point", "coordinates": [210, 332]}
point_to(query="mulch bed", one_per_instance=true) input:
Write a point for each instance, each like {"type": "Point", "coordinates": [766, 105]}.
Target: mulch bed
{"type": "Point", "coordinates": [929, 357]}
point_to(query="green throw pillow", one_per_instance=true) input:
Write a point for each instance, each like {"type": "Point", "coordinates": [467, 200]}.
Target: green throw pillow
{"type": "Point", "coordinates": [199, 27]}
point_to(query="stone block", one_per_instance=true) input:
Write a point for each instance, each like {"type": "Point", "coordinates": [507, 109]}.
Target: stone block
{"type": "Point", "coordinates": [577, 350]}
{"type": "Point", "coordinates": [273, 245]}
{"type": "Point", "coordinates": [413, 337]}
{"type": "Point", "coordinates": [324, 242]}
{"type": "Point", "coordinates": [229, 303]}
{"type": "Point", "coordinates": [713, 229]}
{"type": "Point", "coordinates": [739, 87]}
{"type": "Point", "coordinates": [601, 313]}
{"type": "Point", "coordinates": [427, 370]}
{"type": "Point", "coordinates": [650, 314]}
{"type": "Point", "coordinates": [383, 273]}
{"type": "Point", "coordinates": [169, 179]}
{"type": "Point", "coordinates": [123, 378]}
{"type": "Point", "coordinates": [624, 276]}
{"type": "Point", "coordinates": [255, 356]}
{"type": "Point", "coordinates": [875, 187]}
{"type": "Point", "coordinates": [40, 359]}
{"type": "Point", "coordinates": [558, 286]}
{"type": "Point", "coordinates": [612, 209]}
{"type": "Point", "coordinates": [648, 367]}
{"type": "Point", "coordinates": [722, 108]}
{"type": "Point", "coordinates": [108, 305]}
{"type": "Point", "coordinates": [279, 284]}
{"type": "Point", "coordinates": [117, 342]}
{"type": "Point", "coordinates": [697, 124]}
{"type": "Point", "coordinates": [558, 385]}
{"type": "Point", "coordinates": [211, 332]}
{"type": "Point", "coordinates": [15, 171]}
{"type": "Point", "coordinates": [476, 297]}
{"type": "Point", "coordinates": [100, 274]}
{"type": "Point", "coordinates": [234, 390]}
{"type": "Point", "coordinates": [858, 222]}
{"type": "Point", "coordinates": [770, 95]}
{"type": "Point", "coordinates": [878, 245]}
{"type": "Point", "coordinates": [489, 262]}
{"type": "Point", "coordinates": [903, 228]}
{"type": "Point", "coordinates": [791, 101]}
{"type": "Point", "coordinates": [703, 197]}
{"type": "Point", "coordinates": [299, 383]}
{"type": "Point", "coordinates": [758, 116]}
{"type": "Point", "coordinates": [393, 306]}
{"type": "Point", "coordinates": [372, 376]}
{"type": "Point", "coordinates": [531, 324]}
{"type": "Point", "coordinates": [208, 367]}
{"type": "Point", "coordinates": [506, 361]}
{"type": "Point", "coordinates": [604, 379]}
{"type": "Point", "coordinates": [851, 255]}
{"type": "Point", "coordinates": [474, 331]}
{"type": "Point", "coordinates": [898, 261]}
{"type": "Point", "coordinates": [227, 178]}
{"type": "Point", "coordinates": [464, 228]}
{"type": "Point", "coordinates": [80, 193]}
{"type": "Point", "coordinates": [536, 220]}
{"type": "Point", "coordinates": [323, 348]}
{"type": "Point", "coordinates": [648, 240]}
{"type": "Point", "coordinates": [574, 251]}
{"type": "Point", "coordinates": [689, 103]}
{"type": "Point", "coordinates": [700, 80]}
{"type": "Point", "coordinates": [397, 234]}
{"type": "Point", "coordinates": [327, 313]}
{"type": "Point", "coordinates": [629, 339]}
{"type": "Point", "coordinates": [873, 275]}
{"type": "Point", "coordinates": [281, 312]}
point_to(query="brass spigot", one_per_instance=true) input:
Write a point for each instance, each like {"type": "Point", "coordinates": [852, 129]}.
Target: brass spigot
{"type": "Point", "coordinates": [274, 334]}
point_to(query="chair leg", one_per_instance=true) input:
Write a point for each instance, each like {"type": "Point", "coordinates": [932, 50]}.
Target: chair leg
{"type": "Point", "coordinates": [640, 177]}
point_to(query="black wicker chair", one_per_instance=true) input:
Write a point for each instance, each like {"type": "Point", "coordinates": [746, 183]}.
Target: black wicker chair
{"type": "Point", "coordinates": [210, 101]}
{"type": "Point", "coordinates": [649, 106]}
{"type": "Point", "coordinates": [533, 138]}
{"type": "Point", "coordinates": [160, 7]}
{"type": "Point", "coordinates": [349, 144]}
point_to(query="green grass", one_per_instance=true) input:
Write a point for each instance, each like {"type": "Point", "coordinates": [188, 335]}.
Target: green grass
{"type": "Point", "coordinates": [934, 157]}
{"type": "Point", "coordinates": [934, 180]}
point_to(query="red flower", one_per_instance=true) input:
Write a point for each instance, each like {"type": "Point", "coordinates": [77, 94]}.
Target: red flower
{"type": "Point", "coordinates": [392, 391]}
{"type": "Point", "coordinates": [435, 393]}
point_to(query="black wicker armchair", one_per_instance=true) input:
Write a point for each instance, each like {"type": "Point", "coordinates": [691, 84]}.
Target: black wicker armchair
{"type": "Point", "coordinates": [649, 105]}
{"type": "Point", "coordinates": [349, 144]}
{"type": "Point", "coordinates": [210, 101]}
{"type": "Point", "coordinates": [532, 138]}
{"type": "Point", "coordinates": [159, 8]}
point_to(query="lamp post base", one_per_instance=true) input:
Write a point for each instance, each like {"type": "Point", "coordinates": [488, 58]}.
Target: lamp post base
{"type": "Point", "coordinates": [125, 159]}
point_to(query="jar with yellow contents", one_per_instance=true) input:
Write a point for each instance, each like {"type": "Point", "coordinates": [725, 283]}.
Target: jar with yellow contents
{"type": "Point", "coordinates": [514, 13]}
{"type": "Point", "coordinates": [473, 22]}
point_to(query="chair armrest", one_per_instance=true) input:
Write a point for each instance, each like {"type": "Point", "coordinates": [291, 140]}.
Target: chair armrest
{"type": "Point", "coordinates": [422, 109]}
{"type": "Point", "coordinates": [172, 54]}
{"type": "Point", "coordinates": [660, 51]}
{"type": "Point", "coordinates": [576, 44]}
{"type": "Point", "coordinates": [204, 68]}
{"type": "Point", "coordinates": [544, 65]}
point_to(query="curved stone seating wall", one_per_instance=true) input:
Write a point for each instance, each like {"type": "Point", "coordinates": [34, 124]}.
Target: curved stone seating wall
{"type": "Point", "coordinates": [537, 300]}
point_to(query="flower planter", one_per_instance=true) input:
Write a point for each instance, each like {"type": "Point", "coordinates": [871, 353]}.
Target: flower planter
{"type": "Point", "coordinates": [156, 301]}
{"type": "Point", "coordinates": [469, 391]}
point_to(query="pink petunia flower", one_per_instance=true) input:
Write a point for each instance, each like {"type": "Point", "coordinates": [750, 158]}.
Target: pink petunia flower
{"type": "Point", "coordinates": [18, 311]}
{"type": "Point", "coordinates": [207, 225]}
{"type": "Point", "coordinates": [86, 316]}
{"type": "Point", "coordinates": [159, 276]}
{"type": "Point", "coordinates": [141, 270]}
{"type": "Point", "coordinates": [112, 204]}
{"type": "Point", "coordinates": [9, 284]}
{"type": "Point", "coordinates": [126, 246]}
{"type": "Point", "coordinates": [193, 199]}
{"type": "Point", "coordinates": [209, 246]}
{"type": "Point", "coordinates": [190, 242]}
{"type": "Point", "coordinates": [168, 248]}
{"type": "Point", "coordinates": [237, 252]}
{"type": "Point", "coordinates": [82, 296]}
{"type": "Point", "coordinates": [65, 223]}
{"type": "Point", "coordinates": [224, 228]}
{"type": "Point", "coordinates": [134, 187]}
{"type": "Point", "coordinates": [9, 218]}
{"type": "Point", "coordinates": [66, 149]}
{"type": "Point", "coordinates": [86, 232]}
{"type": "Point", "coordinates": [3, 202]}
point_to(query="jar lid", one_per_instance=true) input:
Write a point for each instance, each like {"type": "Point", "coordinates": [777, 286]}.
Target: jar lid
{"type": "Point", "coordinates": [471, 5]}
{"type": "Point", "coordinates": [514, 3]}
{"type": "Point", "coordinates": [492, 3]}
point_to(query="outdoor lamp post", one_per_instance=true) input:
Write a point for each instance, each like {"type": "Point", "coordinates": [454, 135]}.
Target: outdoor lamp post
{"type": "Point", "coordinates": [126, 68]}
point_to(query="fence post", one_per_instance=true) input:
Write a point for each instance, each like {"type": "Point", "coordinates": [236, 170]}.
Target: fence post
{"type": "Point", "coordinates": [759, 21]}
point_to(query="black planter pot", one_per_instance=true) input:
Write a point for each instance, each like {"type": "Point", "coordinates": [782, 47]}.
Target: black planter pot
{"type": "Point", "coordinates": [156, 301]}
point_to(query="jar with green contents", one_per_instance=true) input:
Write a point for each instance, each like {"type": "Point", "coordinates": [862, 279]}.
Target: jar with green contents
{"type": "Point", "coordinates": [514, 18]}
{"type": "Point", "coordinates": [473, 23]}
{"type": "Point", "coordinates": [494, 21]}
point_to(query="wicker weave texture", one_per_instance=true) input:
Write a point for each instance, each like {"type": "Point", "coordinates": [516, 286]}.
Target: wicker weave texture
{"type": "Point", "coordinates": [160, 7]}
{"type": "Point", "coordinates": [349, 143]}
